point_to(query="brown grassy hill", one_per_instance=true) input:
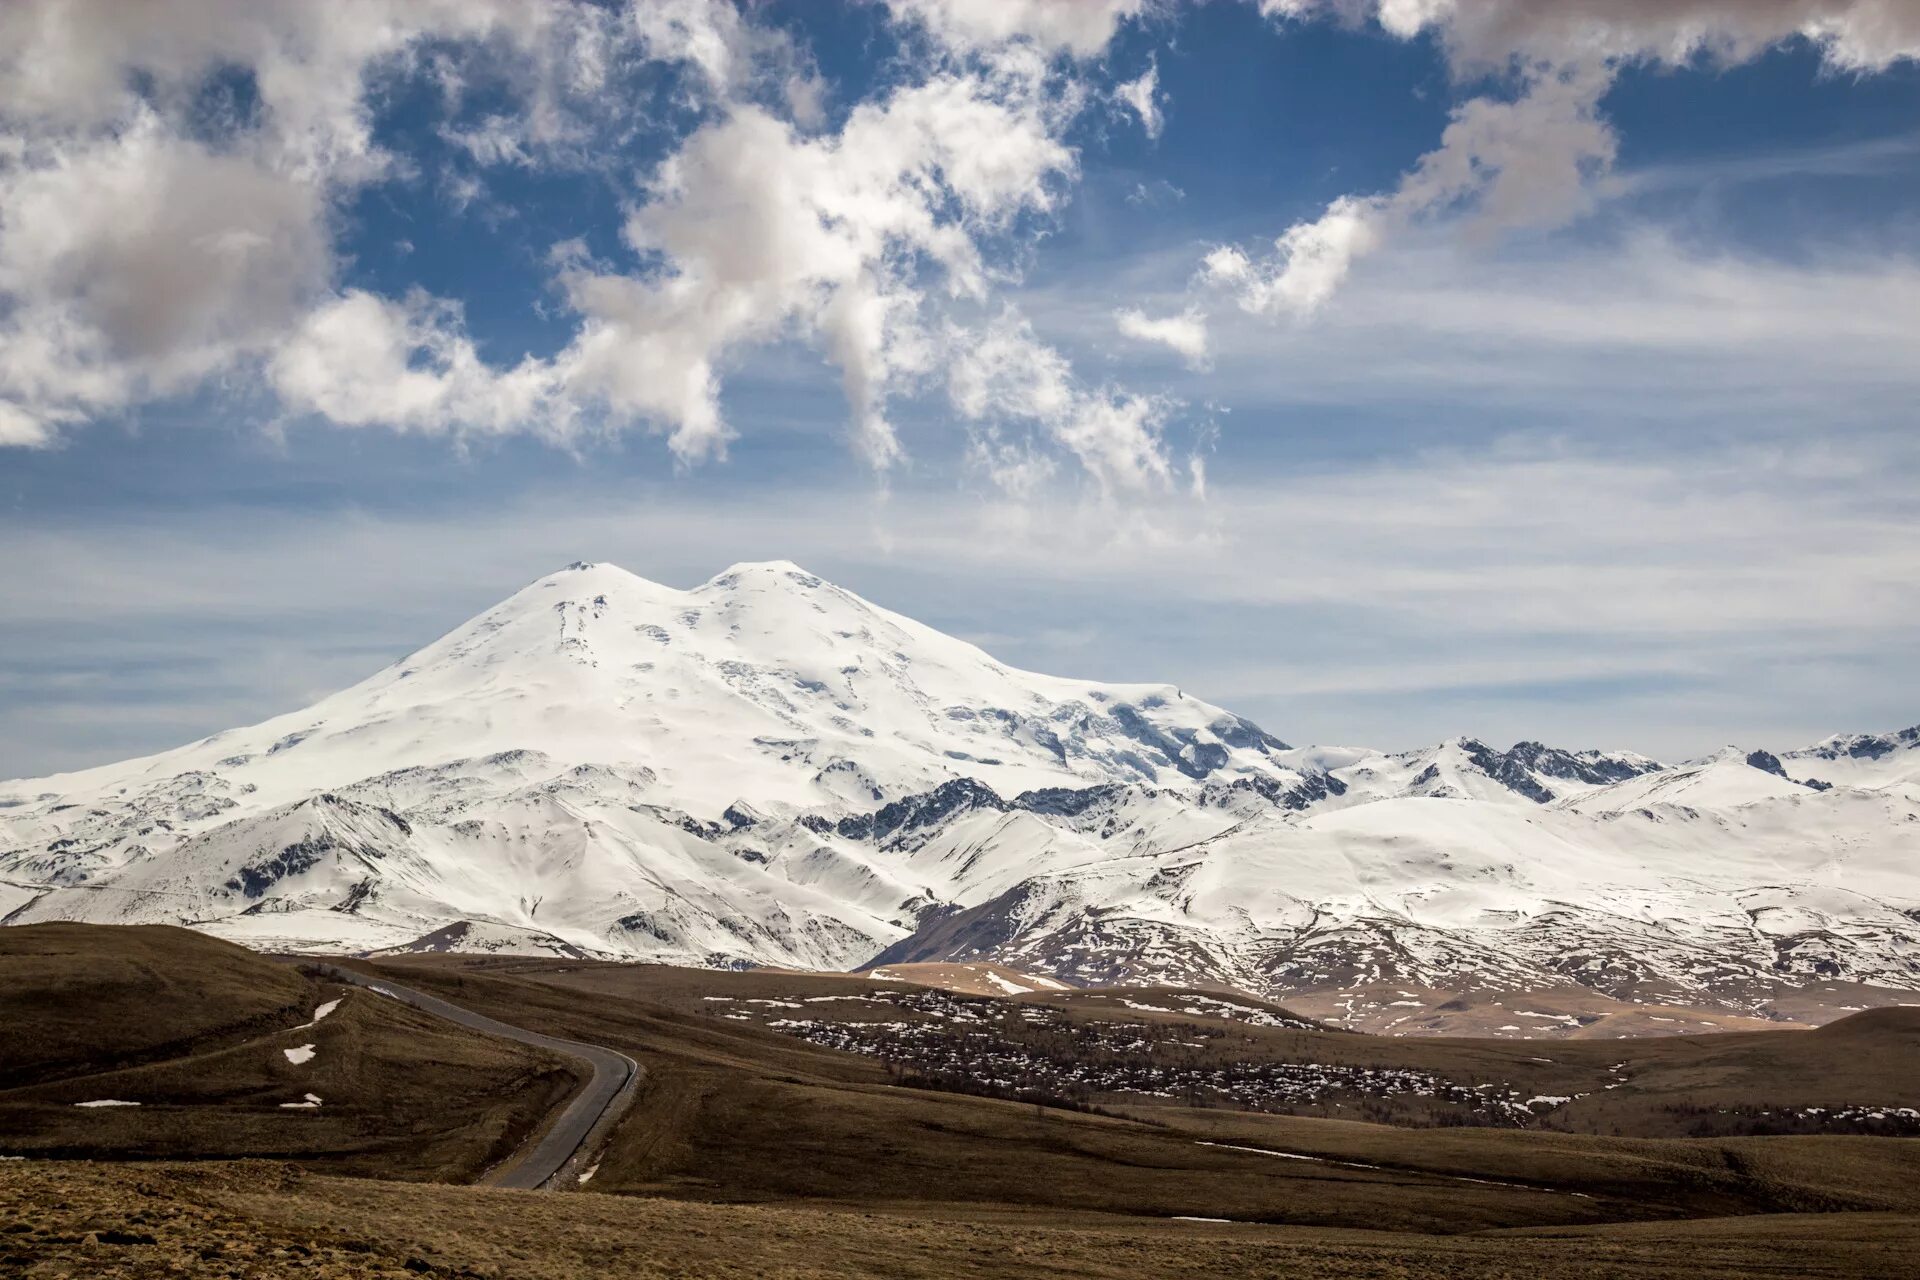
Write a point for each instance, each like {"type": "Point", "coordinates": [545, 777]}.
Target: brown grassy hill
{"type": "Point", "coordinates": [1572, 1012]}
{"type": "Point", "coordinates": [735, 1107]}
{"type": "Point", "coordinates": [756, 1148]}
{"type": "Point", "coordinates": [197, 1032]}
{"type": "Point", "coordinates": [272, 1221]}
{"type": "Point", "coordinates": [976, 978]}
{"type": "Point", "coordinates": [1172, 1046]}
{"type": "Point", "coordinates": [79, 996]}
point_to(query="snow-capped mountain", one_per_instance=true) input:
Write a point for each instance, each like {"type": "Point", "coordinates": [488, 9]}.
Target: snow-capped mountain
{"type": "Point", "coordinates": [575, 766]}
{"type": "Point", "coordinates": [768, 769]}
{"type": "Point", "coordinates": [1861, 759]}
{"type": "Point", "coordinates": [1468, 769]}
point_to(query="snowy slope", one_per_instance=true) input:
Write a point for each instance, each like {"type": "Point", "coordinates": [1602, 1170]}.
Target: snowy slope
{"type": "Point", "coordinates": [1873, 761]}
{"type": "Point", "coordinates": [573, 762]}
{"type": "Point", "coordinates": [765, 684]}
{"type": "Point", "coordinates": [767, 769]}
{"type": "Point", "coordinates": [1465, 768]}
{"type": "Point", "coordinates": [1729, 779]}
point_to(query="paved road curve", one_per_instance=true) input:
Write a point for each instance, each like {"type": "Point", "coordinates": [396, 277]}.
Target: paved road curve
{"type": "Point", "coordinates": [605, 1096]}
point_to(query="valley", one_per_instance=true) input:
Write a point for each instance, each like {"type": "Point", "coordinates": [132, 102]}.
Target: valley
{"type": "Point", "coordinates": [755, 1140]}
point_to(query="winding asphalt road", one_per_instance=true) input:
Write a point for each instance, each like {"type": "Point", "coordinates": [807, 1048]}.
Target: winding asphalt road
{"type": "Point", "coordinates": [567, 1141]}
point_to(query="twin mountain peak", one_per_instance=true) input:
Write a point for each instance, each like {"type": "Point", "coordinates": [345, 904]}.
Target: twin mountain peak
{"type": "Point", "coordinates": [769, 769]}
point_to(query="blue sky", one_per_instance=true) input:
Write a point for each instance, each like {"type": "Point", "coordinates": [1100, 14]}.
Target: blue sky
{"type": "Point", "coordinates": [1574, 402]}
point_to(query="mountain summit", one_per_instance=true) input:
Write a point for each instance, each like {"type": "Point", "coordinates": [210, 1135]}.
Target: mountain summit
{"type": "Point", "coordinates": [769, 769]}
{"type": "Point", "coordinates": [765, 684]}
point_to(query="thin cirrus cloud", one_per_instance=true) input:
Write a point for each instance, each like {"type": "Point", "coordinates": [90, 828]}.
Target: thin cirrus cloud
{"type": "Point", "coordinates": [1605, 341]}
{"type": "Point", "coordinates": [1655, 455]}
{"type": "Point", "coordinates": [1417, 577]}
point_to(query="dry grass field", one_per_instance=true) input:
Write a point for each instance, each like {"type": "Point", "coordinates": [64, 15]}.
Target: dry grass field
{"type": "Point", "coordinates": [755, 1149]}
{"type": "Point", "coordinates": [204, 1037]}
{"type": "Point", "coordinates": [734, 1109]}
{"type": "Point", "coordinates": [1856, 1076]}
{"type": "Point", "coordinates": [1573, 1012]}
{"type": "Point", "coordinates": [270, 1220]}
{"type": "Point", "coordinates": [94, 998]}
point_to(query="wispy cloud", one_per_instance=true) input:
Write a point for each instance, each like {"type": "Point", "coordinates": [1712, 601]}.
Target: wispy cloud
{"type": "Point", "coordinates": [1185, 333]}
{"type": "Point", "coordinates": [1363, 603]}
{"type": "Point", "coordinates": [1533, 157]}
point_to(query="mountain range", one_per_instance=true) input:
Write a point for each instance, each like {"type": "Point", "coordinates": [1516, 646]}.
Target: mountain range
{"type": "Point", "coordinates": [768, 770]}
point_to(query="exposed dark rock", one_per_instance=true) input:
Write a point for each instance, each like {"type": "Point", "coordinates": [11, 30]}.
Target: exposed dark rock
{"type": "Point", "coordinates": [1236, 732]}
{"type": "Point", "coordinates": [929, 808]}
{"type": "Point", "coordinates": [1595, 768]}
{"type": "Point", "coordinates": [947, 933]}
{"type": "Point", "coordinates": [256, 878]}
{"type": "Point", "coordinates": [1869, 746]}
{"type": "Point", "coordinates": [1181, 748]}
{"type": "Point", "coordinates": [1521, 768]}
{"type": "Point", "coordinates": [1067, 802]}
{"type": "Point", "coordinates": [1309, 790]}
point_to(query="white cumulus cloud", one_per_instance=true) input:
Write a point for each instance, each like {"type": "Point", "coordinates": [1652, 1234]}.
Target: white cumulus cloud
{"type": "Point", "coordinates": [137, 264]}
{"type": "Point", "coordinates": [1001, 374]}
{"type": "Point", "coordinates": [1309, 262]}
{"type": "Point", "coordinates": [762, 230]}
{"type": "Point", "coordinates": [362, 360]}
{"type": "Point", "coordinates": [1082, 28]}
{"type": "Point", "coordinates": [149, 244]}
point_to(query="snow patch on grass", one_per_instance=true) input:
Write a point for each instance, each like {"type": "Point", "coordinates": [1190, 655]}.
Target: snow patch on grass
{"type": "Point", "coordinates": [1262, 1151]}
{"type": "Point", "coordinates": [319, 1014]}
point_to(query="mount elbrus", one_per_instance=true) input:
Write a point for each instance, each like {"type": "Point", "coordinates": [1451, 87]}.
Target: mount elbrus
{"type": "Point", "coordinates": [769, 770]}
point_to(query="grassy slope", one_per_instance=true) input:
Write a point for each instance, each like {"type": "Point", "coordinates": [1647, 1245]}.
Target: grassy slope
{"type": "Point", "coordinates": [273, 1221]}
{"type": "Point", "coordinates": [750, 1153]}
{"type": "Point", "coordinates": [206, 1026]}
{"type": "Point", "coordinates": [730, 1111]}
{"type": "Point", "coordinates": [94, 997]}
{"type": "Point", "coordinates": [1664, 1086]}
